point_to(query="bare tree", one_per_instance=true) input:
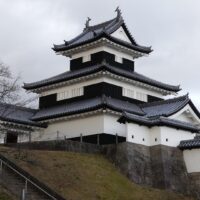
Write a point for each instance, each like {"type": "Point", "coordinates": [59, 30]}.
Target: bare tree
{"type": "Point", "coordinates": [11, 93]}
{"type": "Point", "coordinates": [10, 90]}
{"type": "Point", "coordinates": [9, 86]}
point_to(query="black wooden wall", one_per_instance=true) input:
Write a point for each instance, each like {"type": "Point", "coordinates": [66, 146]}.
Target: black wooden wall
{"type": "Point", "coordinates": [92, 91]}
{"type": "Point", "coordinates": [97, 58]}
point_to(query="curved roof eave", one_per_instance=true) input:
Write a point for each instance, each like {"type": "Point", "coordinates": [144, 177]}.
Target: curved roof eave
{"type": "Point", "coordinates": [141, 49]}
{"type": "Point", "coordinates": [94, 69]}
{"type": "Point", "coordinates": [159, 121]}
{"type": "Point", "coordinates": [105, 29]}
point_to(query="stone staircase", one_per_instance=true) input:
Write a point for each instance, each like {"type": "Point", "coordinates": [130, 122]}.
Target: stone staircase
{"type": "Point", "coordinates": [23, 185]}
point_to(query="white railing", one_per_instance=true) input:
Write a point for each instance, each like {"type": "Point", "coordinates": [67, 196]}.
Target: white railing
{"type": "Point", "coordinates": [28, 179]}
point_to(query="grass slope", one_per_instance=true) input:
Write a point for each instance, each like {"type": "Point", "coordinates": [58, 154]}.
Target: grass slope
{"type": "Point", "coordinates": [4, 194]}
{"type": "Point", "coordinates": [84, 176]}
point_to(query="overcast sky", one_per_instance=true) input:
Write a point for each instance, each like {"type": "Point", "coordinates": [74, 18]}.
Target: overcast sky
{"type": "Point", "coordinates": [29, 28]}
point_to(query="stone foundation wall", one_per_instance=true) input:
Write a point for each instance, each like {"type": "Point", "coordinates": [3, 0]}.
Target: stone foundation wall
{"type": "Point", "coordinates": [134, 161]}
{"type": "Point", "coordinates": [169, 170]}
{"type": "Point", "coordinates": [157, 166]}
{"type": "Point", "coordinates": [195, 183]}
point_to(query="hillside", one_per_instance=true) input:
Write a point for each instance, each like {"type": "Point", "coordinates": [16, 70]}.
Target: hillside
{"type": "Point", "coordinates": [83, 176]}
{"type": "Point", "coordinates": [4, 195]}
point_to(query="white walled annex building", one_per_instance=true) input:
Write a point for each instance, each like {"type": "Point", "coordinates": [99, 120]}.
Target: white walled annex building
{"type": "Point", "coordinates": [101, 99]}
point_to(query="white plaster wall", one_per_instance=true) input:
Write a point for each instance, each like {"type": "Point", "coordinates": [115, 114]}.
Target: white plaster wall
{"type": "Point", "coordinates": [36, 135]}
{"type": "Point", "coordinates": [156, 135]}
{"type": "Point", "coordinates": [138, 134]}
{"type": "Point", "coordinates": [72, 86]}
{"type": "Point", "coordinates": [101, 123]}
{"type": "Point", "coordinates": [103, 79]}
{"type": "Point", "coordinates": [192, 160]}
{"type": "Point", "coordinates": [120, 34]}
{"type": "Point", "coordinates": [102, 48]}
{"type": "Point", "coordinates": [107, 123]}
{"type": "Point", "coordinates": [75, 127]}
{"type": "Point", "coordinates": [143, 135]}
{"type": "Point", "coordinates": [22, 138]}
{"type": "Point", "coordinates": [174, 136]}
{"type": "Point", "coordinates": [112, 126]}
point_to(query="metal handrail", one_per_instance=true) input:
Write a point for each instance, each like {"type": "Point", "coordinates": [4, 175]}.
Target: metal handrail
{"type": "Point", "coordinates": [13, 167]}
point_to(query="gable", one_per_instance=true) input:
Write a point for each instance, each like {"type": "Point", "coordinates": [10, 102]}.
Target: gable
{"type": "Point", "coordinates": [120, 34]}
{"type": "Point", "coordinates": [185, 118]}
{"type": "Point", "coordinates": [187, 114]}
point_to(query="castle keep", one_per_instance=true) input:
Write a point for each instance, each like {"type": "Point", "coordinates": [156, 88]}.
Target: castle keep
{"type": "Point", "coordinates": [103, 100]}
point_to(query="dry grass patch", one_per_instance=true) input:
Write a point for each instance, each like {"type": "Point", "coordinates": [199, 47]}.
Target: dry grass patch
{"type": "Point", "coordinates": [84, 176]}
{"type": "Point", "coordinates": [4, 194]}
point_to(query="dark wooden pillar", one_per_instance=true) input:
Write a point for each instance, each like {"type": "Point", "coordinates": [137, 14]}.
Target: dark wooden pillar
{"type": "Point", "coordinates": [98, 139]}
{"type": "Point", "coordinates": [81, 137]}
{"type": "Point", "coordinates": [116, 138]}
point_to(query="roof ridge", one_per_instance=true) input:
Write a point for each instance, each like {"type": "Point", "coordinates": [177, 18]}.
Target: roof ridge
{"type": "Point", "coordinates": [103, 65]}
{"type": "Point", "coordinates": [163, 118]}
{"type": "Point", "coordinates": [91, 28]}
{"type": "Point", "coordinates": [101, 24]}
{"type": "Point", "coordinates": [77, 37]}
{"type": "Point", "coordinates": [109, 23]}
{"type": "Point", "coordinates": [154, 79]}
{"type": "Point", "coordinates": [165, 101]}
{"type": "Point", "coordinates": [159, 121]}
{"type": "Point", "coordinates": [61, 74]}
{"type": "Point", "coordinates": [91, 33]}
{"type": "Point", "coordinates": [135, 73]}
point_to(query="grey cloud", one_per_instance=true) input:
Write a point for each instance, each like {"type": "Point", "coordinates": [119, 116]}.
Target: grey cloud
{"type": "Point", "coordinates": [29, 29]}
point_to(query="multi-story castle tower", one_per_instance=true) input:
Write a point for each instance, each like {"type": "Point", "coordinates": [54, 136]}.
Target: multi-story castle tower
{"type": "Point", "coordinates": [102, 99]}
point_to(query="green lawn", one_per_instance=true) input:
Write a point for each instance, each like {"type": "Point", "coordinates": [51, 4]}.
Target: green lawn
{"type": "Point", "coordinates": [84, 176]}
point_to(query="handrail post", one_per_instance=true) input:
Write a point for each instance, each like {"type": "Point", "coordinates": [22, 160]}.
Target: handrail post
{"type": "Point", "coordinates": [26, 185]}
{"type": "Point", "coordinates": [23, 194]}
{"type": "Point", "coordinates": [5, 161]}
{"type": "Point", "coordinates": [24, 190]}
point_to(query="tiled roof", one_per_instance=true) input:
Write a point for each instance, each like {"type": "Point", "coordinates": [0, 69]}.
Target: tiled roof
{"type": "Point", "coordinates": [85, 106]}
{"type": "Point", "coordinates": [96, 68]}
{"type": "Point", "coordinates": [103, 30]}
{"type": "Point", "coordinates": [165, 107]}
{"type": "Point", "coordinates": [69, 75]}
{"type": "Point", "coordinates": [190, 144]}
{"type": "Point", "coordinates": [159, 121]}
{"type": "Point", "coordinates": [18, 114]}
{"type": "Point", "coordinates": [131, 112]}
